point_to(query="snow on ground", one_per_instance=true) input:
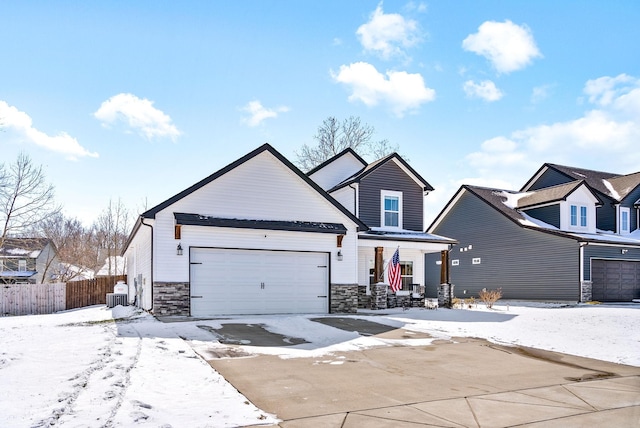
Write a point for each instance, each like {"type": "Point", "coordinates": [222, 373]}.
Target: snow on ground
{"type": "Point", "coordinates": [80, 368]}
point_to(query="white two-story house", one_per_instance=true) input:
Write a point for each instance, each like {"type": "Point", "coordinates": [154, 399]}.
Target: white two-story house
{"type": "Point", "coordinates": [259, 236]}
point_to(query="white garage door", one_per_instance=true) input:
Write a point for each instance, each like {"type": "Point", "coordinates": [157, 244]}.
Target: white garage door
{"type": "Point", "coordinates": [225, 282]}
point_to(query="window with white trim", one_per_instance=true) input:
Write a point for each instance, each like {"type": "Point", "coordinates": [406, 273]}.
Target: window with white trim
{"type": "Point", "coordinates": [624, 220]}
{"type": "Point", "coordinates": [578, 216]}
{"type": "Point", "coordinates": [391, 209]}
{"type": "Point", "coordinates": [22, 265]}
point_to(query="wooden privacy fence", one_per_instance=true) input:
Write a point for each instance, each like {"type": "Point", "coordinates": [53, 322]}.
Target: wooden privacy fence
{"type": "Point", "coordinates": [91, 291]}
{"type": "Point", "coordinates": [31, 299]}
{"type": "Point", "coordinates": [34, 299]}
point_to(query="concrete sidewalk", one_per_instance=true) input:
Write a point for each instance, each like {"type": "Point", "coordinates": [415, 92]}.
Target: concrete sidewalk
{"type": "Point", "coordinates": [458, 383]}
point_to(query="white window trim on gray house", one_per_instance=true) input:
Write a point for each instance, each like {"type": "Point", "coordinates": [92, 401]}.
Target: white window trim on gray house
{"type": "Point", "coordinates": [625, 216]}
{"type": "Point", "coordinates": [390, 195]}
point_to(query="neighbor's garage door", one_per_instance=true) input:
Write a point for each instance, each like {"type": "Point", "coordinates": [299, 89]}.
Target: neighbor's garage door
{"type": "Point", "coordinates": [258, 282]}
{"type": "Point", "coordinates": [615, 280]}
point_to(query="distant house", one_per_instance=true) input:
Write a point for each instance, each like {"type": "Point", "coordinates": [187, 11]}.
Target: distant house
{"type": "Point", "coordinates": [260, 236]}
{"type": "Point", "coordinates": [113, 266]}
{"type": "Point", "coordinates": [28, 261]}
{"type": "Point", "coordinates": [568, 234]}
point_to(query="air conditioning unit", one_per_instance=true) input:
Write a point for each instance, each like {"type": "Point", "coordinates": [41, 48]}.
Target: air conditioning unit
{"type": "Point", "coordinates": [114, 300]}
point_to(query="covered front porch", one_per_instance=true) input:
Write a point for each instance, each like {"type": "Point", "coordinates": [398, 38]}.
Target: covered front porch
{"type": "Point", "coordinates": [376, 249]}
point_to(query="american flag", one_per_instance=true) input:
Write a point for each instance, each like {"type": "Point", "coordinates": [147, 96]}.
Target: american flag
{"type": "Point", "coordinates": [395, 280]}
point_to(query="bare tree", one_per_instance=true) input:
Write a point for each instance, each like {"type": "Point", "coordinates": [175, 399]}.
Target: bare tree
{"type": "Point", "coordinates": [26, 199]}
{"type": "Point", "coordinates": [334, 136]}
{"type": "Point", "coordinates": [111, 231]}
{"type": "Point", "coordinates": [76, 245]}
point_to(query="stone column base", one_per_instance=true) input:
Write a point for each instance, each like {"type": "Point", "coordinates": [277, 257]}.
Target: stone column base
{"type": "Point", "coordinates": [379, 296]}
{"type": "Point", "coordinates": [586, 291]}
{"type": "Point", "coordinates": [445, 295]}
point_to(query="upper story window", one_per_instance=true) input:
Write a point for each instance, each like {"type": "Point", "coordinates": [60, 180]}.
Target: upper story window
{"type": "Point", "coordinates": [578, 216]}
{"type": "Point", "coordinates": [391, 209]}
{"type": "Point", "coordinates": [624, 220]}
{"type": "Point", "coordinates": [22, 265]}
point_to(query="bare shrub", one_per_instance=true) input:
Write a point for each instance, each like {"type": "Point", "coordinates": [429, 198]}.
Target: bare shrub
{"type": "Point", "coordinates": [489, 297]}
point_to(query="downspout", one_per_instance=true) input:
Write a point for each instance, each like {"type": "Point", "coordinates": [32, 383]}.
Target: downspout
{"type": "Point", "coordinates": [581, 267]}
{"type": "Point", "coordinates": [151, 279]}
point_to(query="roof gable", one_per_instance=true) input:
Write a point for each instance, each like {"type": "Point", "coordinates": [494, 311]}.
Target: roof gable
{"type": "Point", "coordinates": [337, 169]}
{"type": "Point", "coordinates": [610, 185]}
{"type": "Point", "coordinates": [265, 148]}
{"type": "Point", "coordinates": [394, 157]}
{"type": "Point", "coordinates": [24, 247]}
{"type": "Point", "coordinates": [623, 185]}
{"type": "Point", "coordinates": [348, 152]}
{"type": "Point", "coordinates": [553, 194]}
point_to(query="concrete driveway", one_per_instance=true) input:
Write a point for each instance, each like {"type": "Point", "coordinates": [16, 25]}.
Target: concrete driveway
{"type": "Point", "coordinates": [458, 383]}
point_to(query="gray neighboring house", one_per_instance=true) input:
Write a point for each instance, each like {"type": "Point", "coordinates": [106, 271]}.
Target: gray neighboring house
{"type": "Point", "coordinates": [569, 234]}
{"type": "Point", "coordinates": [28, 261]}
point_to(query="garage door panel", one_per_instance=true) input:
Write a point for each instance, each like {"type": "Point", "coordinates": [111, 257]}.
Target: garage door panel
{"type": "Point", "coordinates": [615, 280]}
{"type": "Point", "coordinates": [258, 282]}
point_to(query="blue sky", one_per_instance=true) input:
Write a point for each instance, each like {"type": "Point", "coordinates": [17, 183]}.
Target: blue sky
{"type": "Point", "coordinates": [138, 100]}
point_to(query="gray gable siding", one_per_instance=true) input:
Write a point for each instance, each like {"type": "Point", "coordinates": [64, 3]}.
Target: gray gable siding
{"type": "Point", "coordinates": [549, 214]}
{"type": "Point", "coordinates": [550, 178]}
{"type": "Point", "coordinates": [606, 252]}
{"type": "Point", "coordinates": [391, 177]}
{"type": "Point", "coordinates": [525, 263]}
{"type": "Point", "coordinates": [606, 217]}
{"type": "Point", "coordinates": [628, 202]}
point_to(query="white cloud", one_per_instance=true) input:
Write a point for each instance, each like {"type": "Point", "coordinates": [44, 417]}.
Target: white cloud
{"type": "Point", "coordinates": [402, 91]}
{"type": "Point", "coordinates": [540, 93]}
{"type": "Point", "coordinates": [258, 113]}
{"type": "Point", "coordinates": [19, 126]}
{"type": "Point", "coordinates": [486, 90]}
{"type": "Point", "coordinates": [388, 34]}
{"type": "Point", "coordinates": [604, 90]}
{"type": "Point", "coordinates": [139, 114]}
{"type": "Point", "coordinates": [604, 138]}
{"type": "Point", "coordinates": [508, 46]}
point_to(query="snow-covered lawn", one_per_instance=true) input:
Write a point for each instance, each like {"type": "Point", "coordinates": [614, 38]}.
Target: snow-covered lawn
{"type": "Point", "coordinates": [79, 368]}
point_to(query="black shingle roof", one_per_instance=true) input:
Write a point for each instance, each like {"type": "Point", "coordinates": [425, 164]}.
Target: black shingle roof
{"type": "Point", "coordinates": [295, 226]}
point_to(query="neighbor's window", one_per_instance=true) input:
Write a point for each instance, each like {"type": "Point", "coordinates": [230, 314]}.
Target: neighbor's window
{"type": "Point", "coordinates": [22, 265]}
{"type": "Point", "coordinates": [583, 216]}
{"type": "Point", "coordinates": [574, 216]}
{"type": "Point", "coordinates": [624, 220]}
{"type": "Point", "coordinates": [391, 209]}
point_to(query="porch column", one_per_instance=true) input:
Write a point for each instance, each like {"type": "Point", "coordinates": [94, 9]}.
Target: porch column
{"type": "Point", "coordinates": [378, 288]}
{"type": "Point", "coordinates": [378, 267]}
{"type": "Point", "coordinates": [444, 267]}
